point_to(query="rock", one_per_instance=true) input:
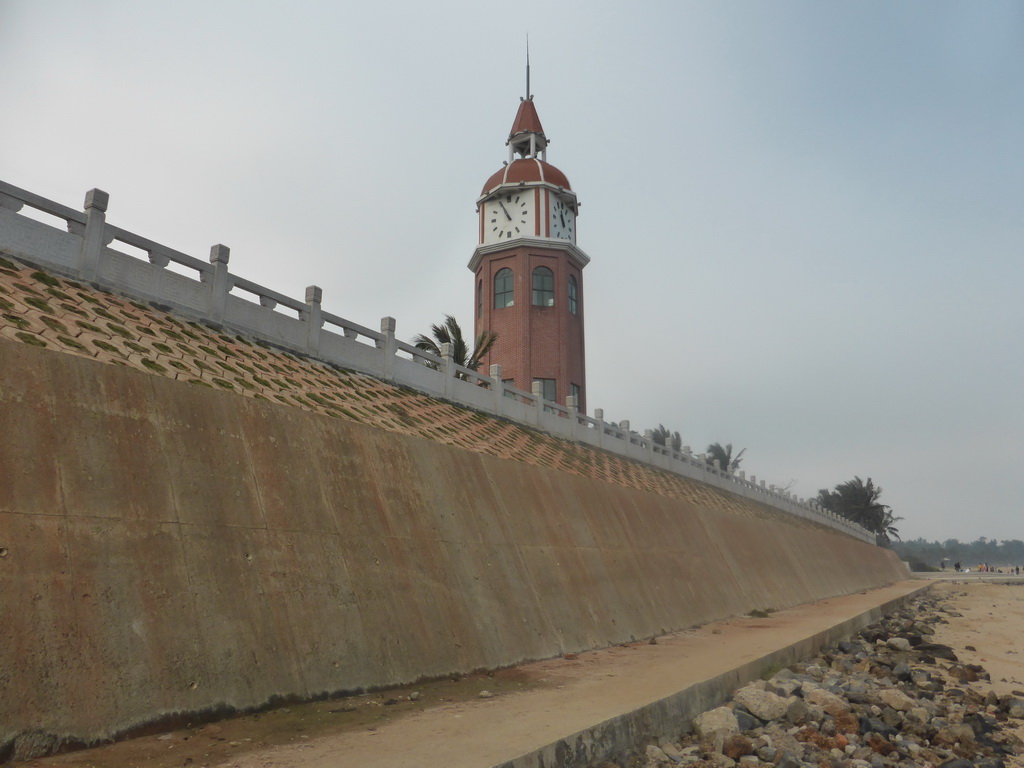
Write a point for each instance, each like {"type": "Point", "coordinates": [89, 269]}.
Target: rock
{"type": "Point", "coordinates": [787, 760]}
{"type": "Point", "coordinates": [485, 695]}
{"type": "Point", "coordinates": [955, 735]}
{"type": "Point", "coordinates": [828, 701]}
{"type": "Point", "coordinates": [918, 714]}
{"type": "Point", "coordinates": [672, 751]}
{"type": "Point", "coordinates": [761, 704]}
{"type": "Point", "coordinates": [797, 712]}
{"type": "Point", "coordinates": [902, 672]}
{"type": "Point", "coordinates": [880, 745]}
{"type": "Point", "coordinates": [656, 754]}
{"type": "Point", "coordinates": [1015, 708]}
{"type": "Point", "coordinates": [896, 699]}
{"type": "Point", "coordinates": [957, 762]}
{"type": "Point", "coordinates": [992, 762]}
{"type": "Point", "coordinates": [898, 643]}
{"type": "Point", "coordinates": [414, 696]}
{"type": "Point", "coordinates": [938, 651]}
{"type": "Point", "coordinates": [737, 746]}
{"type": "Point", "coordinates": [846, 722]}
{"type": "Point", "coordinates": [979, 724]}
{"type": "Point", "coordinates": [873, 724]}
{"type": "Point", "coordinates": [747, 721]}
{"type": "Point", "coordinates": [716, 722]}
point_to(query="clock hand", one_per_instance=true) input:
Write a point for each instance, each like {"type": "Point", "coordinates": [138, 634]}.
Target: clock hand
{"type": "Point", "coordinates": [562, 217]}
{"type": "Point", "coordinates": [507, 216]}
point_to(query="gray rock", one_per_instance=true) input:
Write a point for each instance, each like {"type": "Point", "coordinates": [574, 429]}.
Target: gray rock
{"type": "Point", "coordinates": [746, 721]}
{"type": "Point", "coordinates": [761, 704]}
{"type": "Point", "coordinates": [797, 712]}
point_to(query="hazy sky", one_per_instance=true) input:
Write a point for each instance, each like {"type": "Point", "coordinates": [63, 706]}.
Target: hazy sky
{"type": "Point", "coordinates": [804, 218]}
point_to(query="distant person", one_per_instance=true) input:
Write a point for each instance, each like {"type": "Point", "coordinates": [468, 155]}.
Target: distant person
{"type": "Point", "coordinates": [956, 566]}
{"type": "Point", "coordinates": [1017, 569]}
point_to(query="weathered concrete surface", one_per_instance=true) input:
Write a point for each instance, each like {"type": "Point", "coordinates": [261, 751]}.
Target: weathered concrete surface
{"type": "Point", "coordinates": [171, 548]}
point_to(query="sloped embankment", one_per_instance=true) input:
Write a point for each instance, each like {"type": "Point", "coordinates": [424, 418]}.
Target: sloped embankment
{"type": "Point", "coordinates": [171, 547]}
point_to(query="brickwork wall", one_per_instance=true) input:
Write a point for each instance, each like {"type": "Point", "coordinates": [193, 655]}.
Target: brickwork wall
{"type": "Point", "coordinates": [535, 342]}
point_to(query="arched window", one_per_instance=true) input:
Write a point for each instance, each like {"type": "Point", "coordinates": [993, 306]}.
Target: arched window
{"type": "Point", "coordinates": [480, 298]}
{"type": "Point", "coordinates": [543, 287]}
{"type": "Point", "coordinates": [574, 292]}
{"type": "Point", "coordinates": [503, 289]}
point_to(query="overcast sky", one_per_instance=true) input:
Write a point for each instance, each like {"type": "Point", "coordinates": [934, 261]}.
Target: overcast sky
{"type": "Point", "coordinates": [804, 218]}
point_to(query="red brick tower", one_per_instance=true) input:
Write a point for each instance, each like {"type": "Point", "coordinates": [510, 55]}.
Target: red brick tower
{"type": "Point", "coordinates": [529, 270]}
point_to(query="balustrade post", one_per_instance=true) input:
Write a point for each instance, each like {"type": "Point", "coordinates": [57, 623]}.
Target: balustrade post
{"type": "Point", "coordinates": [599, 417]}
{"type": "Point", "coordinates": [314, 318]}
{"type": "Point", "coordinates": [448, 368]}
{"type": "Point", "coordinates": [649, 445]}
{"type": "Point", "coordinates": [388, 347]}
{"type": "Point", "coordinates": [538, 400]}
{"type": "Point", "coordinates": [570, 403]}
{"type": "Point", "coordinates": [96, 201]}
{"type": "Point", "coordinates": [498, 386]}
{"type": "Point", "coordinates": [218, 284]}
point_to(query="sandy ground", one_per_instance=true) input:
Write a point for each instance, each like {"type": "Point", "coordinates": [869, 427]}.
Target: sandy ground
{"type": "Point", "coordinates": [450, 725]}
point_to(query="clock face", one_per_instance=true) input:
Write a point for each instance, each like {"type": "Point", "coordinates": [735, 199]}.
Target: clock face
{"type": "Point", "coordinates": [506, 217]}
{"type": "Point", "coordinates": [563, 221]}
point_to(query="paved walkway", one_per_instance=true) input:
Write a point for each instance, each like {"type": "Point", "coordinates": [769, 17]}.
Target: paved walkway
{"type": "Point", "coordinates": [594, 688]}
{"type": "Point", "coordinates": [451, 726]}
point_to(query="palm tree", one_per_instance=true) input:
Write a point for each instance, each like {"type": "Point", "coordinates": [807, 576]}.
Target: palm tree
{"type": "Point", "coordinates": [662, 436]}
{"type": "Point", "coordinates": [888, 531]}
{"type": "Point", "coordinates": [450, 332]}
{"type": "Point", "coordinates": [724, 456]}
{"type": "Point", "coordinates": [857, 500]}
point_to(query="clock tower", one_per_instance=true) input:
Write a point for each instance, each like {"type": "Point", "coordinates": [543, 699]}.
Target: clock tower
{"type": "Point", "coordinates": [528, 269]}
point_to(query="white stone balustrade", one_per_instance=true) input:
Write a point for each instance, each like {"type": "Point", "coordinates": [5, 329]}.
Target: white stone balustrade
{"type": "Point", "coordinates": [86, 250]}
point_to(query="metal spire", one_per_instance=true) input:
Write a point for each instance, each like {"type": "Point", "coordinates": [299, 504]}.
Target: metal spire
{"type": "Point", "coordinates": [528, 96]}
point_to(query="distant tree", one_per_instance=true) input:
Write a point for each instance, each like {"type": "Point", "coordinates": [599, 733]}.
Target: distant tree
{"type": "Point", "coordinates": [662, 436]}
{"type": "Point", "coordinates": [450, 332]}
{"type": "Point", "coordinates": [724, 456]}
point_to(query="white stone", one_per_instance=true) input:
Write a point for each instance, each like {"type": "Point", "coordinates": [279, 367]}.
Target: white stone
{"type": "Point", "coordinates": [899, 643]}
{"type": "Point", "coordinates": [720, 721]}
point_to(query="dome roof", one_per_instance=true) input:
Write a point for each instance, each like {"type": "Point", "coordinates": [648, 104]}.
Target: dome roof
{"type": "Point", "coordinates": [529, 170]}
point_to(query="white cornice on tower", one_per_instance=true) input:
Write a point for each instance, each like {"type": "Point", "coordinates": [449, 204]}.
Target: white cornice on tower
{"type": "Point", "coordinates": [576, 254]}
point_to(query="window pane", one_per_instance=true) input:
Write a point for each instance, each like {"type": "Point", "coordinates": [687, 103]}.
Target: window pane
{"type": "Point", "coordinates": [543, 287]}
{"type": "Point", "coordinates": [573, 292]}
{"type": "Point", "coordinates": [503, 288]}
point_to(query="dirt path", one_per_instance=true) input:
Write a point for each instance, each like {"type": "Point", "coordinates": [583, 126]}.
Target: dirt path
{"type": "Point", "coordinates": [450, 725]}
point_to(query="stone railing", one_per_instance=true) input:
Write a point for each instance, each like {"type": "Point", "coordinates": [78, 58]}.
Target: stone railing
{"type": "Point", "coordinates": [83, 246]}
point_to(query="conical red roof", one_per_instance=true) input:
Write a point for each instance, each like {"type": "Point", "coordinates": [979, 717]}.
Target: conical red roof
{"type": "Point", "coordinates": [527, 120]}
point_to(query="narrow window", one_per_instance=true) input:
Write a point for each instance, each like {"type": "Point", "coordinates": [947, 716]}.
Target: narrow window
{"type": "Point", "coordinates": [573, 295]}
{"type": "Point", "coordinates": [503, 289]}
{"type": "Point", "coordinates": [543, 287]}
{"type": "Point", "coordinates": [547, 388]}
{"type": "Point", "coordinates": [576, 394]}
{"type": "Point", "coordinates": [480, 298]}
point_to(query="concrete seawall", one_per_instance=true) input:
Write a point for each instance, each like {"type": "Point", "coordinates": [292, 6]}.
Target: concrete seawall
{"type": "Point", "coordinates": [167, 548]}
